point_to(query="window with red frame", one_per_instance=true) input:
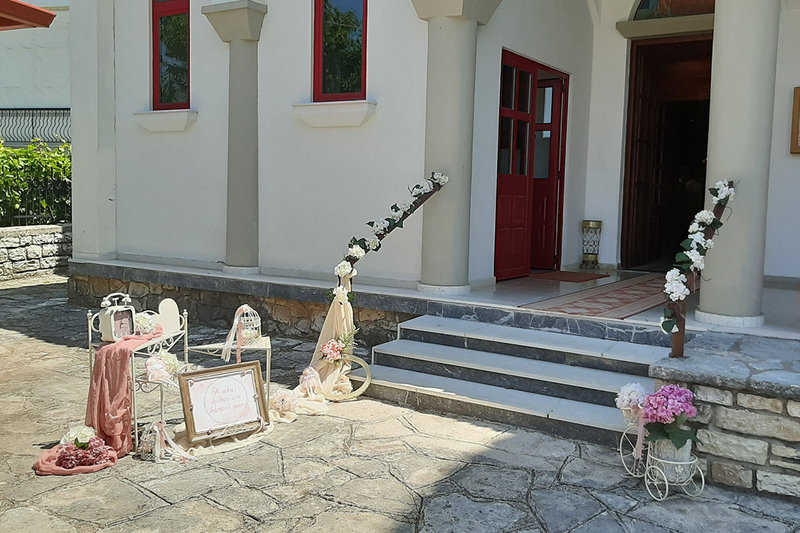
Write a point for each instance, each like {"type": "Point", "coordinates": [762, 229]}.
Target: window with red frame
{"type": "Point", "coordinates": [340, 50]}
{"type": "Point", "coordinates": [170, 54]}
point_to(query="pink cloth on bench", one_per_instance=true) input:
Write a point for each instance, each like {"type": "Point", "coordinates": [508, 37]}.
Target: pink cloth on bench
{"type": "Point", "coordinates": [108, 409]}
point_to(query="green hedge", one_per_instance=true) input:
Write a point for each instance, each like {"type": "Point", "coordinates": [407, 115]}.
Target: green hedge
{"type": "Point", "coordinates": [35, 184]}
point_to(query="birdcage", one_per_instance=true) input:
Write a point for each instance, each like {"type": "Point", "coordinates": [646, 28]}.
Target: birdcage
{"type": "Point", "coordinates": [250, 326]}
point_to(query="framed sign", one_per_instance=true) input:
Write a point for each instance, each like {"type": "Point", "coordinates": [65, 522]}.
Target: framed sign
{"type": "Point", "coordinates": [794, 146]}
{"type": "Point", "coordinates": [223, 401]}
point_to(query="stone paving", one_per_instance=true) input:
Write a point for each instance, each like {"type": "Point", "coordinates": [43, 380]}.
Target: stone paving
{"type": "Point", "coordinates": [365, 466]}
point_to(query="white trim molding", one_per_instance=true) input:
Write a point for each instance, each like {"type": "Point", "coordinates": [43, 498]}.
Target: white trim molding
{"type": "Point", "coordinates": [170, 120]}
{"type": "Point", "coordinates": [335, 114]}
{"type": "Point", "coordinates": [730, 321]}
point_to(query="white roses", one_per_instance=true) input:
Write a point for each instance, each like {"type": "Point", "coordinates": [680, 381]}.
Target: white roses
{"type": "Point", "coordinates": [356, 252]}
{"type": "Point", "coordinates": [675, 286]}
{"type": "Point", "coordinates": [724, 192]}
{"type": "Point", "coordinates": [705, 217]}
{"type": "Point", "coordinates": [343, 269]}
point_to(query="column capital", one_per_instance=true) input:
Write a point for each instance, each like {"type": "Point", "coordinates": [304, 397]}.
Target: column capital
{"type": "Point", "coordinates": [479, 10]}
{"type": "Point", "coordinates": [236, 20]}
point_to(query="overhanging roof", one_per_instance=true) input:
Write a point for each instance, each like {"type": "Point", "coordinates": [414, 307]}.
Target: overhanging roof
{"type": "Point", "coordinates": [15, 14]}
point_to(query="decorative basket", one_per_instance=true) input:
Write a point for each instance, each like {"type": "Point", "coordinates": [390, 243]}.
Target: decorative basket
{"type": "Point", "coordinates": [632, 415]}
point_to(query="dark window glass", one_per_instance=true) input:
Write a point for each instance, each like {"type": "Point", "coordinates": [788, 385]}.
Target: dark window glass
{"type": "Point", "coordinates": [541, 155]}
{"type": "Point", "coordinates": [524, 101]}
{"type": "Point", "coordinates": [504, 153]}
{"type": "Point", "coordinates": [522, 148]}
{"type": "Point", "coordinates": [173, 76]}
{"type": "Point", "coordinates": [342, 46]}
{"type": "Point", "coordinates": [508, 85]}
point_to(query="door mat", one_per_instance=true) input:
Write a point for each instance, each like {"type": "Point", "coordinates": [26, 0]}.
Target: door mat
{"type": "Point", "coordinates": [614, 300]}
{"type": "Point", "coordinates": [569, 277]}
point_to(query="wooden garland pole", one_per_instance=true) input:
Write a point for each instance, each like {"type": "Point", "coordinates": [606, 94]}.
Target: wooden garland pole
{"type": "Point", "coordinates": [679, 307]}
{"type": "Point", "coordinates": [416, 204]}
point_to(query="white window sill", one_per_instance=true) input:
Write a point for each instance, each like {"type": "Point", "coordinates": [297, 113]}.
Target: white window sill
{"type": "Point", "coordinates": [347, 114]}
{"type": "Point", "coordinates": [167, 120]}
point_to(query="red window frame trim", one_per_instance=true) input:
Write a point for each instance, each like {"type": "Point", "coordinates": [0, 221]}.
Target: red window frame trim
{"type": "Point", "coordinates": [164, 9]}
{"type": "Point", "coordinates": [319, 96]}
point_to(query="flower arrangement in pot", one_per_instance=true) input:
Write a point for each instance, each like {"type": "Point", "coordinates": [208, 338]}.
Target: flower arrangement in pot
{"type": "Point", "coordinates": [665, 413]}
{"type": "Point", "coordinates": [630, 400]}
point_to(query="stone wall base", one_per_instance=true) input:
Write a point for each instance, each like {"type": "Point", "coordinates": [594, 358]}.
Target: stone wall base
{"type": "Point", "coordinates": [33, 250]}
{"type": "Point", "coordinates": [278, 316]}
{"type": "Point", "coordinates": [748, 441]}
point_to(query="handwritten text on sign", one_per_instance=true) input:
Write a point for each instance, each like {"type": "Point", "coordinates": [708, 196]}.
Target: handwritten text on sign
{"type": "Point", "coordinates": [220, 401]}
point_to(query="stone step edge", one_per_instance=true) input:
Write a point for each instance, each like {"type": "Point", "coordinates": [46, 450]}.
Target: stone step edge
{"type": "Point", "coordinates": [581, 377]}
{"type": "Point", "coordinates": [547, 340]}
{"type": "Point", "coordinates": [561, 410]}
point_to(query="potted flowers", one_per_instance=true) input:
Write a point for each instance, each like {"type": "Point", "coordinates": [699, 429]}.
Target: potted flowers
{"type": "Point", "coordinates": [630, 400]}
{"type": "Point", "coordinates": [664, 413]}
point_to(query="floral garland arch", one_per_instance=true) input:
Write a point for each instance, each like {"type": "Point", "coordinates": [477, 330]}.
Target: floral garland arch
{"type": "Point", "coordinates": [330, 364]}
{"type": "Point", "coordinates": [690, 262]}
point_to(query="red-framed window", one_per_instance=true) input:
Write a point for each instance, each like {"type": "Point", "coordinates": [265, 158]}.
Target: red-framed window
{"type": "Point", "coordinates": [170, 54]}
{"type": "Point", "coordinates": [340, 50]}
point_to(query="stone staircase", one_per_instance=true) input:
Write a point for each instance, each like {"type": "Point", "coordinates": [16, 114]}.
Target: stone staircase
{"type": "Point", "coordinates": [559, 383]}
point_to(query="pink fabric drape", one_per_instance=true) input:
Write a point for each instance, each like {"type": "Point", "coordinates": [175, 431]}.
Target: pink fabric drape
{"type": "Point", "coordinates": [46, 464]}
{"type": "Point", "coordinates": [108, 408]}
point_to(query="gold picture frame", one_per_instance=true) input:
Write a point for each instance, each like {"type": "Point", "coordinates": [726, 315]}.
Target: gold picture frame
{"type": "Point", "coordinates": [224, 401]}
{"type": "Point", "coordinates": [794, 146]}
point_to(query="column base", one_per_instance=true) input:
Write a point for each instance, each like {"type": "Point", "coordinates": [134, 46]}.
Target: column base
{"type": "Point", "coordinates": [240, 270]}
{"type": "Point", "coordinates": [444, 290]}
{"type": "Point", "coordinates": [730, 321]}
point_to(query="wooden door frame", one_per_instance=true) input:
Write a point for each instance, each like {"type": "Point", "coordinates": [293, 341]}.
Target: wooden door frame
{"type": "Point", "coordinates": [565, 78]}
{"type": "Point", "coordinates": [627, 182]}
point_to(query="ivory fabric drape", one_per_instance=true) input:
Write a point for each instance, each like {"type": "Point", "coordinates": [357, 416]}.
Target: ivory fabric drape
{"type": "Point", "coordinates": [338, 323]}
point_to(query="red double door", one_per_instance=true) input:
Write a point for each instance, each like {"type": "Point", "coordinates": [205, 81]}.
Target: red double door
{"type": "Point", "coordinates": [530, 157]}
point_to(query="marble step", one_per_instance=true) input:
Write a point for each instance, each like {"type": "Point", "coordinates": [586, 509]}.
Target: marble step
{"type": "Point", "coordinates": [573, 350]}
{"type": "Point", "coordinates": [559, 416]}
{"type": "Point", "coordinates": [509, 372]}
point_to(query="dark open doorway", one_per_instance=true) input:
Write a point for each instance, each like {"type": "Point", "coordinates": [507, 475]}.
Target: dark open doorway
{"type": "Point", "coordinates": [667, 137]}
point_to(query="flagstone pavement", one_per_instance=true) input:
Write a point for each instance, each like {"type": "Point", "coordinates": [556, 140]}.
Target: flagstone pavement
{"type": "Point", "coordinates": [366, 466]}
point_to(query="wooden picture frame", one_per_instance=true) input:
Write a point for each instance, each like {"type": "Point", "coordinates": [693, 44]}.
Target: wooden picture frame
{"type": "Point", "coordinates": [224, 401]}
{"type": "Point", "coordinates": [794, 145]}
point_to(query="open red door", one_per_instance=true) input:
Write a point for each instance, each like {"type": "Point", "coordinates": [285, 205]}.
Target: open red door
{"type": "Point", "coordinates": [530, 158]}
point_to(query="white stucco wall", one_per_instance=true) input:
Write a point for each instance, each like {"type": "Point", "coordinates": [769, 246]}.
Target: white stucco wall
{"type": "Point", "coordinates": [319, 186]}
{"type": "Point", "coordinates": [170, 186]}
{"type": "Point", "coordinates": [606, 149]}
{"type": "Point", "coordinates": [534, 29]}
{"type": "Point", "coordinates": [783, 217]}
{"type": "Point", "coordinates": [34, 62]}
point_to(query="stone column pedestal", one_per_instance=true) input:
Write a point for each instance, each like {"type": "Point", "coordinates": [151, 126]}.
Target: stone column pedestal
{"type": "Point", "coordinates": [239, 24]}
{"type": "Point", "coordinates": [739, 141]}
{"type": "Point", "coordinates": [450, 106]}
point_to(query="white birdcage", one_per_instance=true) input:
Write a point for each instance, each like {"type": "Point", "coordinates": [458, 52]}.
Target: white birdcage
{"type": "Point", "coordinates": [250, 324]}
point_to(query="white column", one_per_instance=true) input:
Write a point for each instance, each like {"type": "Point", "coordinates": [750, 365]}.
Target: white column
{"type": "Point", "coordinates": [450, 106]}
{"type": "Point", "coordinates": [239, 24]}
{"type": "Point", "coordinates": [93, 104]}
{"type": "Point", "coordinates": [739, 141]}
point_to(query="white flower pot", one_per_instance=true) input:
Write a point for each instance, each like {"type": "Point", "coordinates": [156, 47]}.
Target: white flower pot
{"type": "Point", "coordinates": [677, 464]}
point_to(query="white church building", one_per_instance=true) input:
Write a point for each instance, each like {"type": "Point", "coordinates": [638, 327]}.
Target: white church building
{"type": "Point", "coordinates": [247, 138]}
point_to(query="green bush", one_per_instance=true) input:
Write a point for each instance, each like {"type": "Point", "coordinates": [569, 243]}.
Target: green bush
{"type": "Point", "coordinates": [35, 184]}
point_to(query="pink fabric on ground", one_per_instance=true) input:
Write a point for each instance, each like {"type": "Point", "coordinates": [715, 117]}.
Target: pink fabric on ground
{"type": "Point", "coordinates": [46, 464]}
{"type": "Point", "coordinates": [108, 409]}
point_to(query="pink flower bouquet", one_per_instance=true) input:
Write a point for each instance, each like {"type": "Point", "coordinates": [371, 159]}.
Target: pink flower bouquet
{"type": "Point", "coordinates": [332, 350]}
{"type": "Point", "coordinates": [665, 411]}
